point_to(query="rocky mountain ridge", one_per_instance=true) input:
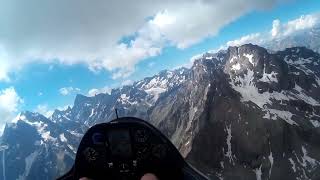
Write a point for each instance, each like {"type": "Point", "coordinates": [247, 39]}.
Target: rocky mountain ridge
{"type": "Point", "coordinates": [243, 113]}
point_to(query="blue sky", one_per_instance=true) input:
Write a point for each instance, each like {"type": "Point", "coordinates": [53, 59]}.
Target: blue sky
{"type": "Point", "coordinates": [38, 83]}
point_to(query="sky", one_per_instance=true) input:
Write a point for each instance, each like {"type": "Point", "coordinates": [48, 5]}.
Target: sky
{"type": "Point", "coordinates": [52, 50]}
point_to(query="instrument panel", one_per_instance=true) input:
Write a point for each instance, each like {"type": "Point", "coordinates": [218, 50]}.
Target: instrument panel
{"type": "Point", "coordinates": [127, 148]}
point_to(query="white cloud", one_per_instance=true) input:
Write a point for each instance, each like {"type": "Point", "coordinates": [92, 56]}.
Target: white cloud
{"type": "Point", "coordinates": [127, 82]}
{"type": "Point", "coordinates": [195, 57]}
{"type": "Point", "coordinates": [251, 38]}
{"type": "Point", "coordinates": [276, 28]}
{"type": "Point", "coordinates": [93, 92]}
{"type": "Point", "coordinates": [9, 103]}
{"type": "Point", "coordinates": [87, 32]}
{"type": "Point", "coordinates": [44, 110]}
{"type": "Point", "coordinates": [122, 73]}
{"type": "Point", "coordinates": [279, 30]}
{"type": "Point", "coordinates": [286, 29]}
{"type": "Point", "coordinates": [302, 23]}
{"type": "Point", "coordinates": [68, 90]}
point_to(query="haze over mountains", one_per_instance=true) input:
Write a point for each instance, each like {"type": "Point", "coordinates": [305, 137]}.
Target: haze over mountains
{"type": "Point", "coordinates": [245, 112]}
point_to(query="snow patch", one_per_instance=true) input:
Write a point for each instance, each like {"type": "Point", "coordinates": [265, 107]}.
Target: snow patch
{"type": "Point", "coordinates": [300, 64]}
{"type": "Point", "coordinates": [293, 164]}
{"type": "Point", "coordinates": [315, 123]}
{"type": "Point", "coordinates": [267, 115]}
{"type": "Point", "coordinates": [46, 135]}
{"type": "Point", "coordinates": [152, 83]}
{"type": "Point", "coordinates": [155, 92]}
{"type": "Point", "coordinates": [229, 151]}
{"type": "Point", "coordinates": [72, 148]}
{"type": "Point", "coordinates": [258, 172]}
{"type": "Point", "coordinates": [87, 104]}
{"type": "Point", "coordinates": [233, 58]}
{"type": "Point", "coordinates": [248, 91]}
{"type": "Point", "coordinates": [269, 77]}
{"type": "Point", "coordinates": [270, 157]}
{"type": "Point", "coordinates": [222, 164]}
{"type": "Point", "coordinates": [92, 113]}
{"type": "Point", "coordinates": [300, 61]}
{"type": "Point", "coordinates": [64, 116]}
{"type": "Point", "coordinates": [250, 58]}
{"type": "Point", "coordinates": [75, 134]}
{"type": "Point", "coordinates": [285, 115]}
{"type": "Point", "coordinates": [18, 117]}
{"type": "Point", "coordinates": [306, 158]}
{"type": "Point", "coordinates": [170, 74]}
{"type": "Point", "coordinates": [302, 96]}
{"type": "Point", "coordinates": [124, 99]}
{"type": "Point", "coordinates": [63, 138]}
{"type": "Point", "coordinates": [236, 67]}
{"type": "Point", "coordinates": [41, 128]}
{"type": "Point", "coordinates": [318, 81]}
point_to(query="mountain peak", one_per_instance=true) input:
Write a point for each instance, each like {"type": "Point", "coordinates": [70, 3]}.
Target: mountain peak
{"type": "Point", "coordinates": [80, 99]}
{"type": "Point", "coordinates": [241, 108]}
{"type": "Point", "coordinates": [246, 57]}
{"type": "Point", "coordinates": [31, 115]}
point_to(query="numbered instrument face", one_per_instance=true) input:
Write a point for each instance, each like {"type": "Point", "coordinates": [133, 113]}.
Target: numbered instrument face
{"type": "Point", "coordinates": [126, 149]}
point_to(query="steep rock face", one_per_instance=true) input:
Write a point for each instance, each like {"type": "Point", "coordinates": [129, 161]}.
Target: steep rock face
{"type": "Point", "coordinates": [178, 114]}
{"type": "Point", "coordinates": [38, 148]}
{"type": "Point", "coordinates": [52, 143]}
{"type": "Point", "coordinates": [262, 122]}
{"type": "Point", "coordinates": [133, 100]}
{"type": "Point", "coordinates": [243, 113]}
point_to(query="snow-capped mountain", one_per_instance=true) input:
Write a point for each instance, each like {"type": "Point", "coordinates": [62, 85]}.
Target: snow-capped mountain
{"type": "Point", "coordinates": [38, 145]}
{"type": "Point", "coordinates": [308, 38]}
{"type": "Point", "coordinates": [263, 115]}
{"type": "Point", "coordinates": [38, 148]}
{"type": "Point", "coordinates": [242, 113]}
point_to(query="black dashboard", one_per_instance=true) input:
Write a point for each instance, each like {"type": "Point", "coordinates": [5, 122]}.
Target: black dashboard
{"type": "Point", "coordinates": [127, 148]}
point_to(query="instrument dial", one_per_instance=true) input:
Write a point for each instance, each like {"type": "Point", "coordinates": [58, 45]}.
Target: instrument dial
{"type": "Point", "coordinates": [159, 151]}
{"type": "Point", "coordinates": [143, 151]}
{"type": "Point", "coordinates": [141, 136]}
{"type": "Point", "coordinates": [90, 154]}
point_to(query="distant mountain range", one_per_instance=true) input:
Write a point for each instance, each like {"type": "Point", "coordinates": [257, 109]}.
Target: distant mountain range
{"type": "Point", "coordinates": [241, 113]}
{"type": "Point", "coordinates": [308, 38]}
